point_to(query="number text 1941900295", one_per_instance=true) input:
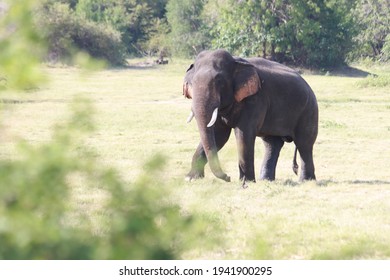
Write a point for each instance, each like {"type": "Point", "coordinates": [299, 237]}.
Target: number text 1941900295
{"type": "Point", "coordinates": [237, 270]}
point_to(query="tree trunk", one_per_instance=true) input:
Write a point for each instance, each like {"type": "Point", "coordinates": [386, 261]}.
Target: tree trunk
{"type": "Point", "coordinates": [264, 48]}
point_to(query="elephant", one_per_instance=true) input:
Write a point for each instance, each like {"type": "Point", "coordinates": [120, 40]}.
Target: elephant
{"type": "Point", "coordinates": [257, 98]}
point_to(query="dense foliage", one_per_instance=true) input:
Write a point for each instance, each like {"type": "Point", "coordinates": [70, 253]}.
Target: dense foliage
{"type": "Point", "coordinates": [66, 30]}
{"type": "Point", "coordinates": [20, 46]}
{"type": "Point", "coordinates": [185, 19]}
{"type": "Point", "coordinates": [315, 33]}
{"type": "Point", "coordinates": [312, 33]}
{"type": "Point", "coordinates": [373, 23]}
{"type": "Point", "coordinates": [108, 29]}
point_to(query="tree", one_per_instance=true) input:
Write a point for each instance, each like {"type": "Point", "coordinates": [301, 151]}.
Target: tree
{"type": "Point", "coordinates": [158, 42]}
{"type": "Point", "coordinates": [386, 49]}
{"type": "Point", "coordinates": [188, 34]}
{"type": "Point", "coordinates": [134, 19]}
{"type": "Point", "coordinates": [315, 33]}
{"type": "Point", "coordinates": [249, 27]}
{"type": "Point", "coordinates": [320, 32]}
{"type": "Point", "coordinates": [373, 19]}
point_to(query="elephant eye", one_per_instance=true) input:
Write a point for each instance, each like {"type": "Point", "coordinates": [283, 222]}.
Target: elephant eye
{"type": "Point", "coordinates": [189, 68]}
{"type": "Point", "coordinates": [220, 82]}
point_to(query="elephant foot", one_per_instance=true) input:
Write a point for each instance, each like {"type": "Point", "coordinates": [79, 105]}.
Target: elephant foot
{"type": "Point", "coordinates": [245, 181]}
{"type": "Point", "coordinates": [267, 178]}
{"type": "Point", "coordinates": [307, 175]}
{"type": "Point", "coordinates": [221, 175]}
{"type": "Point", "coordinates": [307, 178]}
{"type": "Point", "coordinates": [225, 177]}
{"type": "Point", "coordinates": [194, 175]}
{"type": "Point", "coordinates": [267, 175]}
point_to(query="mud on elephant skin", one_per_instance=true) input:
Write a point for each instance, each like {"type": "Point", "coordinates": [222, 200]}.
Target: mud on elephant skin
{"type": "Point", "coordinates": [254, 97]}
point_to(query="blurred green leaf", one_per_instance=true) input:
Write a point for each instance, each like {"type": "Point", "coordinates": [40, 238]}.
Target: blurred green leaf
{"type": "Point", "coordinates": [21, 45]}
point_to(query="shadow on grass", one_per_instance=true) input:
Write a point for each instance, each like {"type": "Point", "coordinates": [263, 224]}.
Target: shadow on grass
{"type": "Point", "coordinates": [325, 183]}
{"type": "Point", "coordinates": [134, 67]}
{"type": "Point", "coordinates": [368, 182]}
{"type": "Point", "coordinates": [146, 66]}
{"type": "Point", "coordinates": [342, 71]}
{"type": "Point", "coordinates": [21, 101]}
{"type": "Point", "coordinates": [348, 71]}
{"type": "Point", "coordinates": [291, 183]}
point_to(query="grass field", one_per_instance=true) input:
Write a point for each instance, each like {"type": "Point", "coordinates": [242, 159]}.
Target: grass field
{"type": "Point", "coordinates": [140, 111]}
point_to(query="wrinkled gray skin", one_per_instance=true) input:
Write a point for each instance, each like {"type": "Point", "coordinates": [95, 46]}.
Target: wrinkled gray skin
{"type": "Point", "coordinates": [255, 97]}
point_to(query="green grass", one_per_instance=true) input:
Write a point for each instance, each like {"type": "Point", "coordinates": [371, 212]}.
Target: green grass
{"type": "Point", "coordinates": [140, 111]}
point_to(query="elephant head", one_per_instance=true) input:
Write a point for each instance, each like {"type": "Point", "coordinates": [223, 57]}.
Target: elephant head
{"type": "Point", "coordinates": [214, 82]}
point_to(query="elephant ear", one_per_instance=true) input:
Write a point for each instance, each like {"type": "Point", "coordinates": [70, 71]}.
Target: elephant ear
{"type": "Point", "coordinates": [246, 80]}
{"type": "Point", "coordinates": [187, 88]}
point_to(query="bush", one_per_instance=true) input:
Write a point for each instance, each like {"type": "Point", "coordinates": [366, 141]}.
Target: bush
{"type": "Point", "coordinates": [386, 49]}
{"type": "Point", "coordinates": [382, 80]}
{"type": "Point", "coordinates": [100, 41]}
{"type": "Point", "coordinates": [67, 32]}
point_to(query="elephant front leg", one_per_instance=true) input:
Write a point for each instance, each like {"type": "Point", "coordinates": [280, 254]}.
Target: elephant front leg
{"type": "Point", "coordinates": [273, 145]}
{"type": "Point", "coordinates": [198, 163]}
{"type": "Point", "coordinates": [246, 149]}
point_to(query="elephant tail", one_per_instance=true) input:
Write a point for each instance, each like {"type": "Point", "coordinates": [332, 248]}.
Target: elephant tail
{"type": "Point", "coordinates": [295, 164]}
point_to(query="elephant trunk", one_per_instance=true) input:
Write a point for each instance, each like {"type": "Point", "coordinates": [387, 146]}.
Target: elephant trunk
{"type": "Point", "coordinates": [210, 148]}
{"type": "Point", "coordinates": [206, 129]}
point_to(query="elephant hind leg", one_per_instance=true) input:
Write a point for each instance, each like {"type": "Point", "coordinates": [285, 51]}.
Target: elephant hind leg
{"type": "Point", "coordinates": [307, 163]}
{"type": "Point", "coordinates": [273, 145]}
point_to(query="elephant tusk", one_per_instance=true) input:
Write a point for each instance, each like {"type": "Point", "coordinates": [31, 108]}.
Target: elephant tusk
{"type": "Point", "coordinates": [190, 117]}
{"type": "Point", "coordinates": [213, 118]}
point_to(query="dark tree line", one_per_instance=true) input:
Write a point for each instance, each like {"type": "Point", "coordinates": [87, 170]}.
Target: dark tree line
{"type": "Point", "coordinates": [315, 33]}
